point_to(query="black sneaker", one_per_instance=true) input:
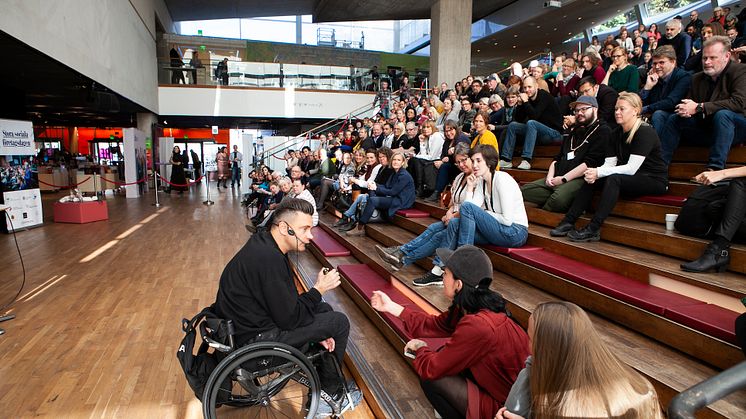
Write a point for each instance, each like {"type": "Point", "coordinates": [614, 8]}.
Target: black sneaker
{"type": "Point", "coordinates": [391, 255]}
{"type": "Point", "coordinates": [561, 230]}
{"type": "Point", "coordinates": [349, 226]}
{"type": "Point", "coordinates": [342, 221]}
{"type": "Point", "coordinates": [429, 279]}
{"type": "Point", "coordinates": [435, 197]}
{"type": "Point", "coordinates": [585, 234]}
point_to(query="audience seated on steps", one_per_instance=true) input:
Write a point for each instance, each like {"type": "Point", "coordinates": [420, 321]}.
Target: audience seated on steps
{"type": "Point", "coordinates": [694, 62]}
{"type": "Point", "coordinates": [339, 180]}
{"type": "Point", "coordinates": [664, 87]}
{"type": "Point", "coordinates": [466, 115]}
{"type": "Point", "coordinates": [493, 213]}
{"type": "Point", "coordinates": [380, 174]}
{"type": "Point", "coordinates": [721, 221]}
{"type": "Point", "coordinates": [585, 147]}
{"type": "Point", "coordinates": [483, 136]}
{"type": "Point", "coordinates": [299, 191]}
{"type": "Point", "coordinates": [715, 113]}
{"type": "Point", "coordinates": [471, 375]}
{"type": "Point", "coordinates": [446, 167]}
{"type": "Point", "coordinates": [514, 111]}
{"type": "Point", "coordinates": [591, 64]}
{"type": "Point", "coordinates": [286, 188]}
{"type": "Point", "coordinates": [434, 236]}
{"type": "Point", "coordinates": [543, 125]}
{"type": "Point", "coordinates": [431, 149]}
{"type": "Point", "coordinates": [634, 167]}
{"type": "Point", "coordinates": [572, 373]}
{"type": "Point", "coordinates": [396, 194]}
{"type": "Point", "coordinates": [681, 42]}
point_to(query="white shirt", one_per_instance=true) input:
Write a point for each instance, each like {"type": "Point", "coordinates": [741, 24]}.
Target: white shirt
{"type": "Point", "coordinates": [306, 196]}
{"type": "Point", "coordinates": [432, 148]}
{"type": "Point", "coordinates": [504, 201]}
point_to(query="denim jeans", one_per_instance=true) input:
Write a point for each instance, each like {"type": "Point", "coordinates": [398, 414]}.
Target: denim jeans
{"type": "Point", "coordinates": [476, 226]}
{"type": "Point", "coordinates": [350, 213]}
{"type": "Point", "coordinates": [236, 175]}
{"type": "Point", "coordinates": [658, 121]}
{"type": "Point", "coordinates": [425, 244]}
{"type": "Point", "coordinates": [532, 131]}
{"type": "Point", "coordinates": [725, 129]}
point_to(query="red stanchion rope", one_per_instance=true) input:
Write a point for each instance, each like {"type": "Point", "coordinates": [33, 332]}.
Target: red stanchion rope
{"type": "Point", "coordinates": [65, 186]}
{"type": "Point", "coordinates": [124, 183]}
{"type": "Point", "coordinates": [182, 185]}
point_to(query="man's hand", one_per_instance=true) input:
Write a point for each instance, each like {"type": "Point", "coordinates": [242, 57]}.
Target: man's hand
{"type": "Point", "coordinates": [568, 121]}
{"type": "Point", "coordinates": [329, 344]}
{"type": "Point", "coordinates": [524, 97]}
{"type": "Point", "coordinates": [413, 345]}
{"type": "Point", "coordinates": [687, 108]}
{"type": "Point", "coordinates": [327, 281]}
{"type": "Point", "coordinates": [651, 81]}
{"type": "Point", "coordinates": [554, 182]}
{"type": "Point", "coordinates": [372, 186]}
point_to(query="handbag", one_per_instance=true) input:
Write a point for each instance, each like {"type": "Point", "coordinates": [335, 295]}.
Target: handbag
{"type": "Point", "coordinates": [445, 198]}
{"type": "Point", "coordinates": [376, 217]}
{"type": "Point", "coordinates": [702, 211]}
{"type": "Point", "coordinates": [341, 201]}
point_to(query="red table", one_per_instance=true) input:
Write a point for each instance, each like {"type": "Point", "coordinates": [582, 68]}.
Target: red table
{"type": "Point", "coordinates": [80, 212]}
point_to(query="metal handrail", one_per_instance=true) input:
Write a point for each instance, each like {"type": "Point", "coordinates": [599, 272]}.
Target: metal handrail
{"type": "Point", "coordinates": [686, 403]}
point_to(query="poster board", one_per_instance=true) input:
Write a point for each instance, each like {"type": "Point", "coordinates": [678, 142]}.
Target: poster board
{"type": "Point", "coordinates": [135, 162]}
{"type": "Point", "coordinates": [165, 149]}
{"type": "Point", "coordinates": [25, 209]}
{"type": "Point", "coordinates": [211, 152]}
{"type": "Point", "coordinates": [16, 138]}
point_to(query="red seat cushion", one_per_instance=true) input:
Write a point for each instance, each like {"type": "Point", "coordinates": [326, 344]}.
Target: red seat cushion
{"type": "Point", "coordinates": [506, 250]}
{"type": "Point", "coordinates": [328, 246]}
{"type": "Point", "coordinates": [645, 296]}
{"type": "Point", "coordinates": [708, 318]}
{"type": "Point", "coordinates": [672, 200]}
{"type": "Point", "coordinates": [412, 213]}
{"type": "Point", "coordinates": [365, 280]}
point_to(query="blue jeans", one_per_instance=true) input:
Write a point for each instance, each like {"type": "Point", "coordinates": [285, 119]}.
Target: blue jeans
{"type": "Point", "coordinates": [658, 121]}
{"type": "Point", "coordinates": [236, 175]}
{"type": "Point", "coordinates": [531, 131]}
{"type": "Point", "coordinates": [725, 129]}
{"type": "Point", "coordinates": [476, 226]}
{"type": "Point", "coordinates": [425, 244]}
{"type": "Point", "coordinates": [380, 203]}
{"type": "Point", "coordinates": [350, 213]}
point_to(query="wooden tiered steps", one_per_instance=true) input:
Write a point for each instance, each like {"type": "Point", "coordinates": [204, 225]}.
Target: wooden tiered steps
{"type": "Point", "coordinates": [669, 370]}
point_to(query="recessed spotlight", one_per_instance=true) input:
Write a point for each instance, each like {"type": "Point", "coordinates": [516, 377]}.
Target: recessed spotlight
{"type": "Point", "coordinates": [538, 26]}
{"type": "Point", "coordinates": [580, 17]}
{"type": "Point", "coordinates": [547, 42]}
{"type": "Point", "coordinates": [514, 46]}
{"type": "Point", "coordinates": [555, 29]}
{"type": "Point", "coordinates": [495, 43]}
{"type": "Point", "coordinates": [515, 36]}
{"type": "Point", "coordinates": [479, 50]}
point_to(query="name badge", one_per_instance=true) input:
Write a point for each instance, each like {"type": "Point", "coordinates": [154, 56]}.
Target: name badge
{"type": "Point", "coordinates": [570, 155]}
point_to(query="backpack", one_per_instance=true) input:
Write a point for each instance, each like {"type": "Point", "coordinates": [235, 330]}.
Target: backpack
{"type": "Point", "coordinates": [702, 210]}
{"type": "Point", "coordinates": [197, 368]}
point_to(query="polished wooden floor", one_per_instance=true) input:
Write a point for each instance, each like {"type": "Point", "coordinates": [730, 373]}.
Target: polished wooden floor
{"type": "Point", "coordinates": [98, 320]}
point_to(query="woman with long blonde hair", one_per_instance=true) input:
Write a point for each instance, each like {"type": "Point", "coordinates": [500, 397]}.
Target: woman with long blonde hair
{"type": "Point", "coordinates": [635, 168]}
{"type": "Point", "coordinates": [572, 373]}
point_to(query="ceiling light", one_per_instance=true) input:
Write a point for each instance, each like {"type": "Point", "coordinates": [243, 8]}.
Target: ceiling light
{"type": "Point", "coordinates": [580, 17]}
{"type": "Point", "coordinates": [515, 36]}
{"type": "Point", "coordinates": [495, 43]}
{"type": "Point", "coordinates": [514, 46]}
{"type": "Point", "coordinates": [478, 50]}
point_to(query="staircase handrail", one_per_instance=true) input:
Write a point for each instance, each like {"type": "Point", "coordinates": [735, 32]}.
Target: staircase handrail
{"type": "Point", "coordinates": [686, 403]}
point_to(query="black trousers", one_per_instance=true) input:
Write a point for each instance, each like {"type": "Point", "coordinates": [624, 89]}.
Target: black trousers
{"type": "Point", "coordinates": [448, 395]}
{"type": "Point", "coordinates": [734, 213]}
{"type": "Point", "coordinates": [327, 323]}
{"type": "Point", "coordinates": [425, 173]}
{"type": "Point", "coordinates": [612, 186]}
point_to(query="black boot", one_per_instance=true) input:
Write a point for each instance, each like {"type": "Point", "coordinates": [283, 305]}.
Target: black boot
{"type": "Point", "coordinates": [342, 221]}
{"type": "Point", "coordinates": [715, 257]}
{"type": "Point", "coordinates": [435, 197]}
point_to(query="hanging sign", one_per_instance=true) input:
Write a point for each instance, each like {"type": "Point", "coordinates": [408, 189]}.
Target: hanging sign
{"type": "Point", "coordinates": [16, 138]}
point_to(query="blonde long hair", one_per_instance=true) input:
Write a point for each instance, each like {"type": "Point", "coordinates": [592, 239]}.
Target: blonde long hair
{"type": "Point", "coordinates": [634, 100]}
{"type": "Point", "coordinates": [574, 374]}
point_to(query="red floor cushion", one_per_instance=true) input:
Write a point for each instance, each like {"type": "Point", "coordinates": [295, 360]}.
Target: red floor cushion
{"type": "Point", "coordinates": [328, 246]}
{"type": "Point", "coordinates": [412, 213]}
{"type": "Point", "coordinates": [506, 250]}
{"type": "Point", "coordinates": [672, 200]}
{"type": "Point", "coordinates": [365, 280]}
{"type": "Point", "coordinates": [639, 294]}
{"type": "Point", "coordinates": [708, 318]}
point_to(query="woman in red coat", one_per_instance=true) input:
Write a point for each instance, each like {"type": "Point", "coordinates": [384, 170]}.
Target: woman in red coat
{"type": "Point", "coordinates": [471, 375]}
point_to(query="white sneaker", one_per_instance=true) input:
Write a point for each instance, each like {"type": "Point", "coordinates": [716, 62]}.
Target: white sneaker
{"type": "Point", "coordinates": [525, 165]}
{"type": "Point", "coordinates": [505, 164]}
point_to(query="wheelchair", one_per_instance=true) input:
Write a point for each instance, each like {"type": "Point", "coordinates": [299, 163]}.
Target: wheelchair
{"type": "Point", "coordinates": [265, 379]}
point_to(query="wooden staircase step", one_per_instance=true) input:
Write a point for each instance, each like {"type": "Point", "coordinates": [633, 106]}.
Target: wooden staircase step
{"type": "Point", "coordinates": [646, 236]}
{"type": "Point", "coordinates": [694, 342]}
{"type": "Point", "coordinates": [669, 370]}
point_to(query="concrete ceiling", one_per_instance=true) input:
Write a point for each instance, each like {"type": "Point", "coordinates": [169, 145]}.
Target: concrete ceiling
{"type": "Point", "coordinates": [321, 10]}
{"type": "Point", "coordinates": [542, 29]}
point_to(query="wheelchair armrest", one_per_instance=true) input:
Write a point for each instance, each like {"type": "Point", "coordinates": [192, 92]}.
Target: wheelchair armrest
{"type": "Point", "coordinates": [217, 345]}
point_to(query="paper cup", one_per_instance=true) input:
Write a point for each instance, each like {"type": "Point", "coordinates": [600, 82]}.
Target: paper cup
{"type": "Point", "coordinates": [670, 220]}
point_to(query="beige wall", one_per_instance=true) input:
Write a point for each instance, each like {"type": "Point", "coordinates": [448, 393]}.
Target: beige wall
{"type": "Point", "coordinates": [110, 41]}
{"type": "Point", "coordinates": [450, 46]}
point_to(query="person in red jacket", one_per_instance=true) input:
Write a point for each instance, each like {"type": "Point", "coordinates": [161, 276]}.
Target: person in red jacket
{"type": "Point", "coordinates": [471, 375]}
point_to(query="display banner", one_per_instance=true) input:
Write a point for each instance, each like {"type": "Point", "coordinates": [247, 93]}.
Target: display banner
{"type": "Point", "coordinates": [135, 163]}
{"type": "Point", "coordinates": [211, 153]}
{"type": "Point", "coordinates": [25, 208]}
{"type": "Point", "coordinates": [16, 138]}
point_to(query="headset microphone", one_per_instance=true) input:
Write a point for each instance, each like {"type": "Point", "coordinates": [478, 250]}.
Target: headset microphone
{"type": "Point", "coordinates": [291, 232]}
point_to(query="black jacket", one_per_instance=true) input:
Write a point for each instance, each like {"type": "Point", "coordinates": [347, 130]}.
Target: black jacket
{"type": "Point", "coordinates": [606, 98]}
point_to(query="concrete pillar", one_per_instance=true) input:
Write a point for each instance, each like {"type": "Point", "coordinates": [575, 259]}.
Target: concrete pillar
{"type": "Point", "coordinates": [299, 29]}
{"type": "Point", "coordinates": [450, 41]}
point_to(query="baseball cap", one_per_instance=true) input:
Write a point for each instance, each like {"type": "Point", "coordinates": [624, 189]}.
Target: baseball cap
{"type": "Point", "coordinates": [468, 263]}
{"type": "Point", "coordinates": [491, 77]}
{"type": "Point", "coordinates": [585, 100]}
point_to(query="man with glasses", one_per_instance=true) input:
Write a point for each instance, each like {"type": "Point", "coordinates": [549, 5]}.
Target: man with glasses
{"type": "Point", "coordinates": [605, 96]}
{"type": "Point", "coordinates": [681, 42]}
{"type": "Point", "coordinates": [664, 87]}
{"type": "Point", "coordinates": [567, 80]}
{"type": "Point", "coordinates": [388, 135]}
{"type": "Point", "coordinates": [410, 145]}
{"type": "Point", "coordinates": [585, 147]}
{"type": "Point", "coordinates": [695, 21]}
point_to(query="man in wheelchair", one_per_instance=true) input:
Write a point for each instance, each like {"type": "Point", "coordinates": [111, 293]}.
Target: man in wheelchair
{"type": "Point", "coordinates": [257, 292]}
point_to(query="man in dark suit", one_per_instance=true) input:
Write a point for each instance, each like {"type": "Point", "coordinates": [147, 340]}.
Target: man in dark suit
{"type": "Point", "coordinates": [714, 114]}
{"type": "Point", "coordinates": [605, 96]}
{"type": "Point", "coordinates": [664, 87]}
{"type": "Point", "coordinates": [377, 134]}
{"type": "Point", "coordinates": [681, 42]}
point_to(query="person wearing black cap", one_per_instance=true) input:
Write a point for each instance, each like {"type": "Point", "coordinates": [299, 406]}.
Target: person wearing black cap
{"type": "Point", "coordinates": [586, 146]}
{"type": "Point", "coordinates": [471, 375]}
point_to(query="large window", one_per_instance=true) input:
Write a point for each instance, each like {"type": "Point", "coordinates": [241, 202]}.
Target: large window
{"type": "Point", "coordinates": [624, 18]}
{"type": "Point", "coordinates": [659, 7]}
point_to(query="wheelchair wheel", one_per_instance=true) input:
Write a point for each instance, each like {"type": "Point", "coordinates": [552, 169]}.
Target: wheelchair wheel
{"type": "Point", "coordinates": [266, 380]}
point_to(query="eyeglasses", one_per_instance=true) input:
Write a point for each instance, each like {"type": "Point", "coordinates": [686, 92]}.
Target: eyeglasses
{"type": "Point", "coordinates": [581, 110]}
{"type": "Point", "coordinates": [617, 56]}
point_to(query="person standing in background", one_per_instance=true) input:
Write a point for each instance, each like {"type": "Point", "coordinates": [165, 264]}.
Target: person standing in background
{"type": "Point", "coordinates": [236, 159]}
{"type": "Point", "coordinates": [197, 164]}
{"type": "Point", "coordinates": [223, 166]}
